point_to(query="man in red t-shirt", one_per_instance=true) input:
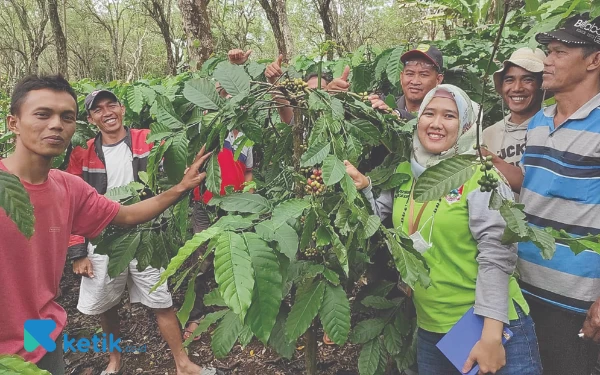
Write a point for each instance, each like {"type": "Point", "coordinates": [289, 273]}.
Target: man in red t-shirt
{"type": "Point", "coordinates": [43, 115]}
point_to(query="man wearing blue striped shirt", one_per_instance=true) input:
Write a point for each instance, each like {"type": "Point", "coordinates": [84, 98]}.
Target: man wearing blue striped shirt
{"type": "Point", "coordinates": [561, 189]}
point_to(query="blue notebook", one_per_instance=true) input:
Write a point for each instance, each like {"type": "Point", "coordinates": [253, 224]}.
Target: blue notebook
{"type": "Point", "coordinates": [458, 342]}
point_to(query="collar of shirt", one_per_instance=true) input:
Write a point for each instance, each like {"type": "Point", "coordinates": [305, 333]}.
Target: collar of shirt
{"type": "Point", "coordinates": [583, 111]}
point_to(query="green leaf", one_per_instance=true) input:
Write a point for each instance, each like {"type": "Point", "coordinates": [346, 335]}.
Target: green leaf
{"type": "Point", "coordinates": [285, 235]}
{"type": "Point", "coordinates": [392, 339]}
{"type": "Point", "coordinates": [408, 354]}
{"type": "Point", "coordinates": [310, 220]}
{"type": "Point", "coordinates": [495, 200]}
{"type": "Point", "coordinates": [439, 180]}
{"type": "Point", "coordinates": [394, 181]}
{"type": "Point", "coordinates": [233, 222]}
{"type": "Point", "coordinates": [411, 268]}
{"type": "Point", "coordinates": [364, 130]}
{"type": "Point", "coordinates": [367, 330]}
{"type": "Point", "coordinates": [335, 314]}
{"type": "Point", "coordinates": [12, 364]}
{"type": "Point", "coordinates": [213, 175]}
{"type": "Point", "coordinates": [185, 251]}
{"type": "Point", "coordinates": [315, 154]}
{"type": "Point", "coordinates": [154, 159]}
{"type": "Point", "coordinates": [242, 202]}
{"type": "Point", "coordinates": [255, 69]}
{"type": "Point", "coordinates": [316, 102]}
{"type": "Point", "coordinates": [181, 214]}
{"type": "Point", "coordinates": [340, 250]}
{"type": "Point", "coordinates": [349, 188]}
{"type": "Point", "coordinates": [290, 209]}
{"type": "Point", "coordinates": [278, 340]}
{"type": "Point", "coordinates": [204, 324]}
{"type": "Point", "coordinates": [543, 240]}
{"type": "Point", "coordinates": [245, 336]}
{"type": "Point", "coordinates": [333, 170]}
{"type": "Point", "coordinates": [14, 200]}
{"type": "Point", "coordinates": [149, 94]}
{"type": "Point", "coordinates": [143, 176]}
{"type": "Point", "coordinates": [122, 252]}
{"type": "Point", "coordinates": [232, 78]}
{"type": "Point", "coordinates": [268, 291]}
{"type": "Point", "coordinates": [176, 157]}
{"type": "Point", "coordinates": [165, 113]}
{"type": "Point", "coordinates": [202, 93]}
{"type": "Point", "coordinates": [378, 303]}
{"type": "Point", "coordinates": [368, 360]}
{"type": "Point", "coordinates": [145, 250]}
{"type": "Point", "coordinates": [371, 226]}
{"type": "Point", "coordinates": [395, 66]}
{"type": "Point", "coordinates": [306, 306]}
{"type": "Point", "coordinates": [226, 334]}
{"type": "Point", "coordinates": [213, 298]}
{"type": "Point", "coordinates": [516, 223]}
{"type": "Point", "coordinates": [183, 314]}
{"type": "Point", "coordinates": [135, 98]}
{"type": "Point", "coordinates": [331, 276]}
{"type": "Point", "coordinates": [233, 272]}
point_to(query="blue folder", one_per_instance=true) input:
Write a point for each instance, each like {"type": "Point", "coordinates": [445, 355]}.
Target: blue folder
{"type": "Point", "coordinates": [458, 342]}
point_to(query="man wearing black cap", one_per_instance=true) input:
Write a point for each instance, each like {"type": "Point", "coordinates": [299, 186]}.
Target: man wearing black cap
{"type": "Point", "coordinates": [114, 158]}
{"type": "Point", "coordinates": [561, 189]}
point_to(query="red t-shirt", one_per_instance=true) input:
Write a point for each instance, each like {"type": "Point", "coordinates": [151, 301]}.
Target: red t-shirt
{"type": "Point", "coordinates": [30, 270]}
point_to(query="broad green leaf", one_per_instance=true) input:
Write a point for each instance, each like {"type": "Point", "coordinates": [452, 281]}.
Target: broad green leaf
{"type": "Point", "coordinates": [183, 314]}
{"type": "Point", "coordinates": [307, 303]}
{"type": "Point", "coordinates": [232, 78]}
{"type": "Point", "coordinates": [394, 181]}
{"type": "Point", "coordinates": [516, 223]}
{"type": "Point", "coordinates": [122, 252]}
{"type": "Point", "coordinates": [226, 334]}
{"type": "Point", "coordinates": [411, 268]}
{"type": "Point", "coordinates": [153, 137]}
{"type": "Point", "coordinates": [495, 200]}
{"type": "Point", "coordinates": [408, 354]}
{"type": "Point", "coordinates": [268, 291]}
{"type": "Point", "coordinates": [379, 303]}
{"type": "Point", "coordinates": [181, 213]}
{"type": "Point", "coordinates": [331, 276]}
{"type": "Point", "coordinates": [289, 209]}
{"type": "Point", "coordinates": [392, 339]}
{"type": "Point", "coordinates": [176, 157]}
{"type": "Point", "coordinates": [368, 360]}
{"type": "Point", "coordinates": [335, 314]}
{"type": "Point", "coordinates": [367, 330]}
{"type": "Point", "coordinates": [12, 364]}
{"type": "Point", "coordinates": [149, 94]}
{"type": "Point", "coordinates": [315, 154]}
{"type": "Point", "coordinates": [234, 272]}
{"type": "Point", "coordinates": [242, 202]}
{"type": "Point", "coordinates": [285, 235]}
{"type": "Point", "coordinates": [255, 69]}
{"type": "Point", "coordinates": [135, 98]}
{"type": "Point", "coordinates": [278, 340]}
{"type": "Point", "coordinates": [205, 323]}
{"type": "Point", "coordinates": [145, 250]}
{"type": "Point", "coordinates": [143, 176]}
{"type": "Point", "coordinates": [154, 159]}
{"type": "Point", "coordinates": [543, 240]}
{"type": "Point", "coordinates": [439, 180]}
{"type": "Point", "coordinates": [333, 170]}
{"type": "Point", "coordinates": [233, 222]}
{"type": "Point", "coordinates": [185, 251]}
{"type": "Point", "coordinates": [340, 250]}
{"type": "Point", "coordinates": [245, 336]}
{"type": "Point", "coordinates": [364, 130]}
{"type": "Point", "coordinates": [349, 188]}
{"type": "Point", "coordinates": [213, 298]}
{"type": "Point", "coordinates": [394, 66]}
{"type": "Point", "coordinates": [310, 221]}
{"type": "Point", "coordinates": [316, 101]}
{"type": "Point", "coordinates": [165, 113]}
{"type": "Point", "coordinates": [371, 226]}
{"type": "Point", "coordinates": [14, 200]}
{"type": "Point", "coordinates": [213, 175]}
{"type": "Point", "coordinates": [202, 93]}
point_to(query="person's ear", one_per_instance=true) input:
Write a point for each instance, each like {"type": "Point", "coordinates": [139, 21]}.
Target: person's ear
{"type": "Point", "coordinates": [440, 78]}
{"type": "Point", "coordinates": [11, 121]}
{"type": "Point", "coordinates": [90, 119]}
{"type": "Point", "coordinates": [595, 61]}
{"type": "Point", "coordinates": [123, 109]}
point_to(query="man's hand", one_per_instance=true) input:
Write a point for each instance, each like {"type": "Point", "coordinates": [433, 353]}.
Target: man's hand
{"type": "Point", "coordinates": [193, 177]}
{"type": "Point", "coordinates": [488, 354]}
{"type": "Point", "coordinates": [83, 267]}
{"type": "Point", "coordinates": [360, 181]}
{"type": "Point", "coordinates": [273, 70]}
{"type": "Point", "coordinates": [238, 56]}
{"type": "Point", "coordinates": [341, 83]}
{"type": "Point", "coordinates": [591, 325]}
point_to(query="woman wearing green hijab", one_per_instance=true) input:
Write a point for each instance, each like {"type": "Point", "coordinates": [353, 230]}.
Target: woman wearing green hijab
{"type": "Point", "coordinates": [460, 238]}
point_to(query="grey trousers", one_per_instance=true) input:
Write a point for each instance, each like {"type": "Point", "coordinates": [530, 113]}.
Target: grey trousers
{"type": "Point", "coordinates": [54, 362]}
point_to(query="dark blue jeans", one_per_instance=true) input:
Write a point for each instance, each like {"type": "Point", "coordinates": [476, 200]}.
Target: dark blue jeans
{"type": "Point", "coordinates": [522, 353]}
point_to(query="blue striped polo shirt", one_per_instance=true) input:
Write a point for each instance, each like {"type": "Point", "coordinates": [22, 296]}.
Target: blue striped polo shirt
{"type": "Point", "coordinates": [561, 189]}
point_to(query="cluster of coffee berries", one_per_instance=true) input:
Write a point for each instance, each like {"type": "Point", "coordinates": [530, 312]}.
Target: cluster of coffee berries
{"type": "Point", "coordinates": [364, 96]}
{"type": "Point", "coordinates": [313, 252]}
{"type": "Point", "coordinates": [304, 147]}
{"type": "Point", "coordinates": [488, 182]}
{"type": "Point", "coordinates": [296, 85]}
{"type": "Point", "coordinates": [314, 183]}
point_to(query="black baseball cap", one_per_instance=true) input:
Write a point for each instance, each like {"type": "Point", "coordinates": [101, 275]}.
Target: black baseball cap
{"type": "Point", "coordinates": [91, 98]}
{"type": "Point", "coordinates": [578, 30]}
{"type": "Point", "coordinates": [426, 51]}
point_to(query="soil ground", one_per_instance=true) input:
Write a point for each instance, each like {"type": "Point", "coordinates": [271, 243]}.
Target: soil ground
{"type": "Point", "coordinates": [138, 327]}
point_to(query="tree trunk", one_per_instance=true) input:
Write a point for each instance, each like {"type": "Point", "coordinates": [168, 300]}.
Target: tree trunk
{"type": "Point", "coordinates": [197, 28]}
{"type": "Point", "coordinates": [60, 40]}
{"type": "Point", "coordinates": [277, 16]}
{"type": "Point", "coordinates": [158, 14]}
{"type": "Point", "coordinates": [323, 6]}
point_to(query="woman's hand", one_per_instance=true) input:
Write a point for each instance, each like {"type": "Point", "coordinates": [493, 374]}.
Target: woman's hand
{"type": "Point", "coordinates": [488, 352]}
{"type": "Point", "coordinates": [360, 181]}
